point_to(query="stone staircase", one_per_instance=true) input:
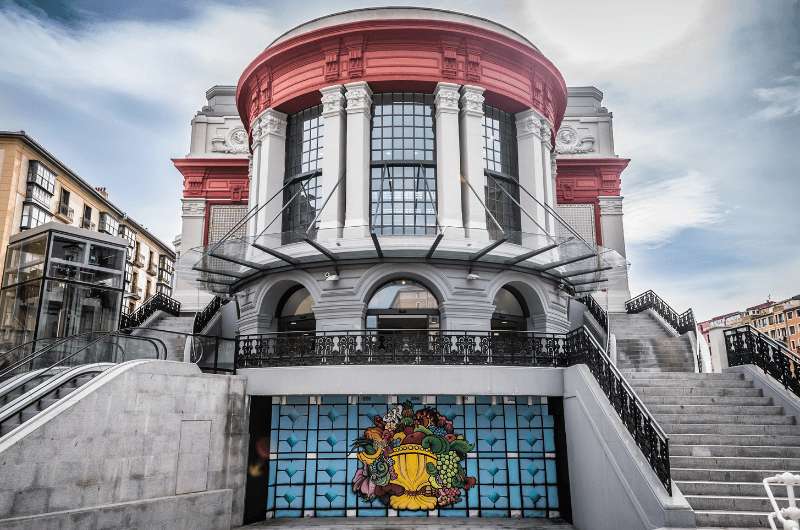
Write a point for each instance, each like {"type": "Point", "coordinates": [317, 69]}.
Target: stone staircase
{"type": "Point", "coordinates": [725, 437]}
{"type": "Point", "coordinates": [646, 345]}
{"type": "Point", "coordinates": [174, 342]}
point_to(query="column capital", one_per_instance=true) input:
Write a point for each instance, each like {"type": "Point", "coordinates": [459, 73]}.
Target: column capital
{"type": "Point", "coordinates": [268, 123]}
{"type": "Point", "coordinates": [610, 205]}
{"type": "Point", "coordinates": [445, 97]}
{"type": "Point", "coordinates": [359, 97]}
{"type": "Point", "coordinates": [332, 100]}
{"type": "Point", "coordinates": [193, 208]}
{"type": "Point", "coordinates": [529, 122]}
{"type": "Point", "coordinates": [472, 100]}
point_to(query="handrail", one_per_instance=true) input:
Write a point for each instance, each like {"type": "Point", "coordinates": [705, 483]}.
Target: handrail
{"type": "Point", "coordinates": [158, 301]}
{"type": "Point", "coordinates": [204, 316]}
{"type": "Point", "coordinates": [682, 323]}
{"type": "Point", "coordinates": [747, 345]}
{"type": "Point", "coordinates": [466, 347]}
{"type": "Point", "coordinates": [595, 309]}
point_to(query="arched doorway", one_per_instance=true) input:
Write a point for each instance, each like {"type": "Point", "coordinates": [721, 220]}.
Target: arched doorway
{"type": "Point", "coordinates": [510, 311]}
{"type": "Point", "coordinates": [402, 304]}
{"type": "Point", "coordinates": [294, 311]}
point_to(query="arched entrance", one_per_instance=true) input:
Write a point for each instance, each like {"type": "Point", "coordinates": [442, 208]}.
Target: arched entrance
{"type": "Point", "coordinates": [294, 311]}
{"type": "Point", "coordinates": [511, 312]}
{"type": "Point", "coordinates": [402, 304]}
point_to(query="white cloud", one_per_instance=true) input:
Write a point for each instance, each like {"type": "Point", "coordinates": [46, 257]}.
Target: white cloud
{"type": "Point", "coordinates": [657, 211]}
{"type": "Point", "coordinates": [781, 100]}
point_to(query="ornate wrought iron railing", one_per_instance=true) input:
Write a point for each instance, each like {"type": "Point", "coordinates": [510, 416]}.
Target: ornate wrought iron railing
{"type": "Point", "coordinates": [203, 317]}
{"type": "Point", "coordinates": [747, 345]}
{"type": "Point", "coordinates": [157, 302]}
{"type": "Point", "coordinates": [440, 347]}
{"type": "Point", "coordinates": [681, 323]}
{"type": "Point", "coordinates": [596, 310]}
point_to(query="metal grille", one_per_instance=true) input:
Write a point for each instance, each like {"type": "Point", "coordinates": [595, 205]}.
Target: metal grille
{"type": "Point", "coordinates": [578, 216]}
{"type": "Point", "coordinates": [302, 198]}
{"type": "Point", "coordinates": [311, 467]}
{"type": "Point", "coordinates": [223, 217]}
{"type": "Point", "coordinates": [502, 182]}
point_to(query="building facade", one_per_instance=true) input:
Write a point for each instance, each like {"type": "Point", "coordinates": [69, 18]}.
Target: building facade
{"type": "Point", "coordinates": [37, 188]}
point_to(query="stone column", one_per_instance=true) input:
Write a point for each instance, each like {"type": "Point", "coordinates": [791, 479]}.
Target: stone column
{"type": "Point", "coordinates": [448, 159]}
{"type": "Point", "coordinates": [531, 176]}
{"type": "Point", "coordinates": [359, 126]}
{"type": "Point", "coordinates": [613, 234]}
{"type": "Point", "coordinates": [472, 163]}
{"type": "Point", "coordinates": [269, 160]}
{"type": "Point", "coordinates": [252, 196]}
{"type": "Point", "coordinates": [549, 175]}
{"type": "Point", "coordinates": [187, 290]}
{"type": "Point", "coordinates": [331, 218]}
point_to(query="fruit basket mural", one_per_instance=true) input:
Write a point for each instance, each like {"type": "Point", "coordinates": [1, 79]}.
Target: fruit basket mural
{"type": "Point", "coordinates": [412, 460]}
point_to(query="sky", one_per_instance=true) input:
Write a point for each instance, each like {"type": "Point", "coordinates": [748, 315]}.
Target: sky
{"type": "Point", "coordinates": [705, 96]}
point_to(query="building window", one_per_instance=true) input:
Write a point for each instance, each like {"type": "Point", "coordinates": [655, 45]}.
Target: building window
{"type": "Point", "coordinates": [39, 175]}
{"type": "Point", "coordinates": [502, 173]}
{"type": "Point", "coordinates": [127, 233]}
{"type": "Point", "coordinates": [403, 305]}
{"type": "Point", "coordinates": [302, 195]}
{"type": "Point", "coordinates": [64, 209]}
{"type": "Point", "coordinates": [295, 311]}
{"type": "Point", "coordinates": [789, 315]}
{"type": "Point", "coordinates": [33, 216]}
{"type": "Point", "coordinates": [86, 220]}
{"type": "Point", "coordinates": [108, 224]}
{"type": "Point", "coordinates": [791, 330]}
{"type": "Point", "coordinates": [166, 270]}
{"type": "Point", "coordinates": [403, 173]}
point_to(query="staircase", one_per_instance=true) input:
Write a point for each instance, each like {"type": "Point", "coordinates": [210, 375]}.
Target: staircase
{"type": "Point", "coordinates": [174, 342]}
{"type": "Point", "coordinates": [725, 437]}
{"type": "Point", "coordinates": [646, 345]}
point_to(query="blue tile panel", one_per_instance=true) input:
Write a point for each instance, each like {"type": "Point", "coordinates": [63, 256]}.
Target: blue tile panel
{"type": "Point", "coordinates": [311, 468]}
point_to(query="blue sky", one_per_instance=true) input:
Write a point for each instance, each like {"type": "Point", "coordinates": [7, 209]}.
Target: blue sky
{"type": "Point", "coordinates": [705, 95]}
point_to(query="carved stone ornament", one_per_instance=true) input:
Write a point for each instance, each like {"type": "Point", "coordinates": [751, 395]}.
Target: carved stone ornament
{"type": "Point", "coordinates": [472, 102]}
{"type": "Point", "coordinates": [569, 142]}
{"type": "Point", "coordinates": [193, 208]}
{"type": "Point", "coordinates": [269, 123]}
{"type": "Point", "coordinates": [234, 143]}
{"type": "Point", "coordinates": [529, 123]}
{"type": "Point", "coordinates": [446, 99]}
{"type": "Point", "coordinates": [332, 101]}
{"type": "Point", "coordinates": [359, 99]}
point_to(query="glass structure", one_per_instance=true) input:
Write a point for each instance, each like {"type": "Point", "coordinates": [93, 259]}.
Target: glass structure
{"type": "Point", "coordinates": [302, 196]}
{"type": "Point", "coordinates": [295, 311]}
{"type": "Point", "coordinates": [403, 169]}
{"type": "Point", "coordinates": [402, 304]}
{"type": "Point", "coordinates": [57, 284]}
{"type": "Point", "coordinates": [510, 311]}
{"type": "Point", "coordinates": [514, 459]}
{"type": "Point", "coordinates": [502, 173]}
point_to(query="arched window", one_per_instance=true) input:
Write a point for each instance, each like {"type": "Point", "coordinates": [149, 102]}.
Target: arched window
{"type": "Point", "coordinates": [403, 304]}
{"type": "Point", "coordinates": [302, 196]}
{"type": "Point", "coordinates": [403, 171]}
{"type": "Point", "coordinates": [510, 311]}
{"type": "Point", "coordinates": [294, 311]}
{"type": "Point", "coordinates": [502, 172]}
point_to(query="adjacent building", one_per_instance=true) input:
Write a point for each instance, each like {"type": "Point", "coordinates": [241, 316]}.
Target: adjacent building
{"type": "Point", "coordinates": [37, 188]}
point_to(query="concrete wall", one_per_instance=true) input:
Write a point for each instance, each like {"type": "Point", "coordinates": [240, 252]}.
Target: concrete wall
{"type": "Point", "coordinates": [611, 483]}
{"type": "Point", "coordinates": [149, 434]}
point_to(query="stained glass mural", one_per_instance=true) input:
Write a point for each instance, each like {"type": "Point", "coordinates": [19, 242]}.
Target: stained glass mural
{"type": "Point", "coordinates": [503, 461]}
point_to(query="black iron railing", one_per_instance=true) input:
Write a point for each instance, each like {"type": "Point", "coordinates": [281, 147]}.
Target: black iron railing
{"type": "Point", "coordinates": [682, 323]}
{"type": "Point", "coordinates": [440, 347]}
{"type": "Point", "coordinates": [596, 310]}
{"type": "Point", "coordinates": [747, 345]}
{"type": "Point", "coordinates": [203, 317]}
{"type": "Point", "coordinates": [157, 302]}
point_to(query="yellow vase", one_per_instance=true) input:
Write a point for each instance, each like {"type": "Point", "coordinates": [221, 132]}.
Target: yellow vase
{"type": "Point", "coordinates": [410, 461]}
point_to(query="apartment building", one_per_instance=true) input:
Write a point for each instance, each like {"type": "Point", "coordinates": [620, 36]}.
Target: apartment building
{"type": "Point", "coordinates": [36, 188]}
{"type": "Point", "coordinates": [780, 320]}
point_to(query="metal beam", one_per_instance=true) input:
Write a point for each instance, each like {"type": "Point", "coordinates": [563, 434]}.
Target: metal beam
{"type": "Point", "coordinates": [568, 261]}
{"type": "Point", "coordinates": [528, 255]}
{"type": "Point", "coordinates": [488, 248]}
{"type": "Point", "coordinates": [589, 281]}
{"type": "Point", "coordinates": [212, 271]}
{"type": "Point", "coordinates": [238, 261]}
{"type": "Point", "coordinates": [435, 244]}
{"type": "Point", "coordinates": [275, 254]}
{"type": "Point", "coordinates": [377, 244]}
{"type": "Point", "coordinates": [322, 250]}
{"type": "Point", "coordinates": [586, 271]}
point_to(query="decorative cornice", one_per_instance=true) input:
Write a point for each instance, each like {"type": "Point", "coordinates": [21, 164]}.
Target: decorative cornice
{"type": "Point", "coordinates": [332, 100]}
{"type": "Point", "coordinates": [359, 98]}
{"type": "Point", "coordinates": [193, 207]}
{"type": "Point", "coordinates": [472, 100]}
{"type": "Point", "coordinates": [446, 98]}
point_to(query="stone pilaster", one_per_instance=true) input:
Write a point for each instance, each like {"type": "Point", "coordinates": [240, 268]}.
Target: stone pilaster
{"type": "Point", "coordinates": [333, 162]}
{"type": "Point", "coordinates": [531, 173]}
{"type": "Point", "coordinates": [269, 149]}
{"type": "Point", "coordinates": [359, 114]}
{"type": "Point", "coordinates": [613, 234]}
{"type": "Point", "coordinates": [448, 163]}
{"type": "Point", "coordinates": [472, 163]}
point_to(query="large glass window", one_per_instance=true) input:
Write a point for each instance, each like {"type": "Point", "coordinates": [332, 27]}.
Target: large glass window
{"type": "Point", "coordinates": [25, 260]}
{"type": "Point", "coordinates": [502, 173]}
{"type": "Point", "coordinates": [403, 304]}
{"type": "Point", "coordinates": [403, 173]}
{"type": "Point", "coordinates": [33, 216]}
{"type": "Point", "coordinates": [510, 311]}
{"type": "Point", "coordinates": [295, 311]}
{"type": "Point", "coordinates": [39, 175]}
{"type": "Point", "coordinates": [69, 309]}
{"type": "Point", "coordinates": [108, 224]}
{"type": "Point", "coordinates": [303, 195]}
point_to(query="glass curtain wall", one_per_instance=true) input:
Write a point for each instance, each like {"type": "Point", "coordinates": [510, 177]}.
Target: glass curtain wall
{"type": "Point", "coordinates": [403, 169]}
{"type": "Point", "coordinates": [502, 173]}
{"type": "Point", "coordinates": [302, 197]}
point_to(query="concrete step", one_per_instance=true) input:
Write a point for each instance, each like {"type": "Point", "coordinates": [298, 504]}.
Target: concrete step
{"type": "Point", "coordinates": [701, 487]}
{"type": "Point", "coordinates": [722, 410]}
{"type": "Point", "coordinates": [723, 475]}
{"type": "Point", "coordinates": [692, 376]}
{"type": "Point", "coordinates": [728, 429]}
{"type": "Point", "coordinates": [707, 400]}
{"type": "Point", "coordinates": [738, 419]}
{"type": "Point", "coordinates": [670, 382]}
{"type": "Point", "coordinates": [734, 462]}
{"type": "Point", "coordinates": [733, 504]}
{"type": "Point", "coordinates": [772, 451]}
{"type": "Point", "coordinates": [735, 439]}
{"type": "Point", "coordinates": [696, 391]}
{"type": "Point", "coordinates": [657, 368]}
{"type": "Point", "coordinates": [733, 520]}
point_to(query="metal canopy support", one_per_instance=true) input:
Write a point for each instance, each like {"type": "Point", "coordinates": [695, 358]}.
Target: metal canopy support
{"type": "Point", "coordinates": [485, 250]}
{"type": "Point", "coordinates": [212, 271]}
{"type": "Point", "coordinates": [435, 244]}
{"type": "Point", "coordinates": [586, 271]}
{"type": "Point", "coordinates": [568, 261]}
{"type": "Point", "coordinates": [528, 255]}
{"type": "Point", "coordinates": [274, 253]}
{"type": "Point", "coordinates": [589, 281]}
{"type": "Point", "coordinates": [325, 252]}
{"type": "Point", "coordinates": [377, 244]}
{"type": "Point", "coordinates": [238, 261]}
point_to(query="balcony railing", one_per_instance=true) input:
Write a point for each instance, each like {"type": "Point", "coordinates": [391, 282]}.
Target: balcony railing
{"type": "Point", "coordinates": [747, 345]}
{"type": "Point", "coordinates": [88, 224]}
{"type": "Point", "coordinates": [138, 260]}
{"type": "Point", "coordinates": [596, 310]}
{"type": "Point", "coordinates": [152, 269]}
{"type": "Point", "coordinates": [157, 302]}
{"type": "Point", "coordinates": [440, 347]}
{"type": "Point", "coordinates": [202, 318]}
{"type": "Point", "coordinates": [65, 211]}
